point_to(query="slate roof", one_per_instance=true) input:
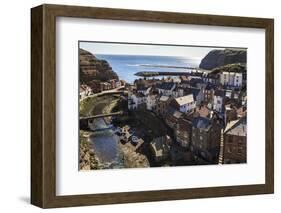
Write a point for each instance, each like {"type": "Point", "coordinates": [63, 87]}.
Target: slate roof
{"type": "Point", "coordinates": [141, 87]}
{"type": "Point", "coordinates": [196, 80]}
{"type": "Point", "coordinates": [165, 85]}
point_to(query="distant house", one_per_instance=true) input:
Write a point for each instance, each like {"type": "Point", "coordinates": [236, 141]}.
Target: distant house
{"type": "Point", "coordinates": [185, 83]}
{"type": "Point", "coordinates": [197, 93]}
{"type": "Point", "coordinates": [160, 148]}
{"type": "Point", "coordinates": [243, 98]}
{"type": "Point", "coordinates": [205, 77]}
{"type": "Point", "coordinates": [122, 82]}
{"type": "Point", "coordinates": [178, 91]}
{"type": "Point", "coordinates": [235, 141]}
{"type": "Point", "coordinates": [105, 86]}
{"type": "Point", "coordinates": [211, 77]}
{"type": "Point", "coordinates": [232, 79]}
{"type": "Point", "coordinates": [208, 92]}
{"type": "Point", "coordinates": [183, 131]}
{"type": "Point", "coordinates": [145, 82]}
{"type": "Point", "coordinates": [236, 94]}
{"type": "Point", "coordinates": [233, 94]}
{"type": "Point", "coordinates": [176, 79]}
{"type": "Point", "coordinates": [206, 135]}
{"type": "Point", "coordinates": [112, 83]}
{"type": "Point", "coordinates": [241, 112]}
{"type": "Point", "coordinates": [183, 78]}
{"type": "Point", "coordinates": [136, 100]}
{"type": "Point", "coordinates": [172, 117]}
{"type": "Point", "coordinates": [230, 113]}
{"type": "Point", "coordinates": [228, 94]}
{"type": "Point", "coordinates": [162, 104]}
{"type": "Point", "coordinates": [84, 91]}
{"type": "Point", "coordinates": [151, 101]}
{"type": "Point", "coordinates": [118, 84]}
{"type": "Point", "coordinates": [184, 104]}
{"type": "Point", "coordinates": [95, 86]}
{"type": "Point", "coordinates": [131, 101]}
{"type": "Point", "coordinates": [166, 88]}
{"type": "Point", "coordinates": [218, 100]}
{"type": "Point", "coordinates": [197, 82]}
{"type": "Point", "coordinates": [143, 89]}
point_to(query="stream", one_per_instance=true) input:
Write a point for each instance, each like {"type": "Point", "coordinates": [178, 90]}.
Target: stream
{"type": "Point", "coordinates": [105, 143]}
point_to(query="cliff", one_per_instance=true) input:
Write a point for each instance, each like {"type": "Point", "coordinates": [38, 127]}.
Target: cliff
{"type": "Point", "coordinates": [92, 68]}
{"type": "Point", "coordinates": [217, 58]}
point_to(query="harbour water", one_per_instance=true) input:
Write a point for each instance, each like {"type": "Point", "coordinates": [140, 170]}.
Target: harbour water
{"type": "Point", "coordinates": [127, 65]}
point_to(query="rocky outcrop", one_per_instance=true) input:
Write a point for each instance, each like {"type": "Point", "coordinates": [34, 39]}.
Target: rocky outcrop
{"type": "Point", "coordinates": [87, 157]}
{"type": "Point", "coordinates": [217, 58]}
{"type": "Point", "coordinates": [92, 68]}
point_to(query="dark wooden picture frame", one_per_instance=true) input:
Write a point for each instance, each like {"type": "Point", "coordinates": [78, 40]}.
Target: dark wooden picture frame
{"type": "Point", "coordinates": [43, 105]}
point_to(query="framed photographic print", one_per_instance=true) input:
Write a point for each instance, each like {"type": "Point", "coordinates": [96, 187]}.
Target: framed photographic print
{"type": "Point", "coordinates": [136, 106]}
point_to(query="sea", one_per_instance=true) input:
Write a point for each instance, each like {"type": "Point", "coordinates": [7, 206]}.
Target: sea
{"type": "Point", "coordinates": [127, 65]}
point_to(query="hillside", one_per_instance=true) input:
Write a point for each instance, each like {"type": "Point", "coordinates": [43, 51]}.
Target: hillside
{"type": "Point", "coordinates": [92, 68]}
{"type": "Point", "coordinates": [238, 68]}
{"type": "Point", "coordinates": [217, 58]}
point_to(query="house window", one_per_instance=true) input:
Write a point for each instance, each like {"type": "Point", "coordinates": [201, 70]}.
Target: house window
{"type": "Point", "coordinates": [230, 139]}
{"type": "Point", "coordinates": [240, 148]}
{"type": "Point", "coordinates": [229, 149]}
{"type": "Point", "coordinates": [201, 138]}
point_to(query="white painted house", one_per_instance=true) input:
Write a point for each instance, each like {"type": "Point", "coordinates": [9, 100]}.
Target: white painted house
{"type": "Point", "coordinates": [151, 101]}
{"type": "Point", "coordinates": [118, 84]}
{"type": "Point", "coordinates": [135, 100]}
{"type": "Point", "coordinates": [143, 90]}
{"type": "Point", "coordinates": [185, 103]}
{"type": "Point", "coordinates": [166, 88]}
{"type": "Point", "coordinates": [85, 91]}
{"type": "Point", "coordinates": [178, 92]}
{"type": "Point", "coordinates": [231, 79]}
{"type": "Point", "coordinates": [218, 100]}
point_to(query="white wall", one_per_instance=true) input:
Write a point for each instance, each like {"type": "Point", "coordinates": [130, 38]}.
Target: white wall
{"type": "Point", "coordinates": [15, 104]}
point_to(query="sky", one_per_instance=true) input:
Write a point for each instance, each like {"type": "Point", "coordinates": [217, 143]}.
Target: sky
{"type": "Point", "coordinates": [145, 49]}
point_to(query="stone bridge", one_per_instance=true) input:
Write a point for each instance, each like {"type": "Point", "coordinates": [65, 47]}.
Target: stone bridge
{"type": "Point", "coordinates": [86, 122]}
